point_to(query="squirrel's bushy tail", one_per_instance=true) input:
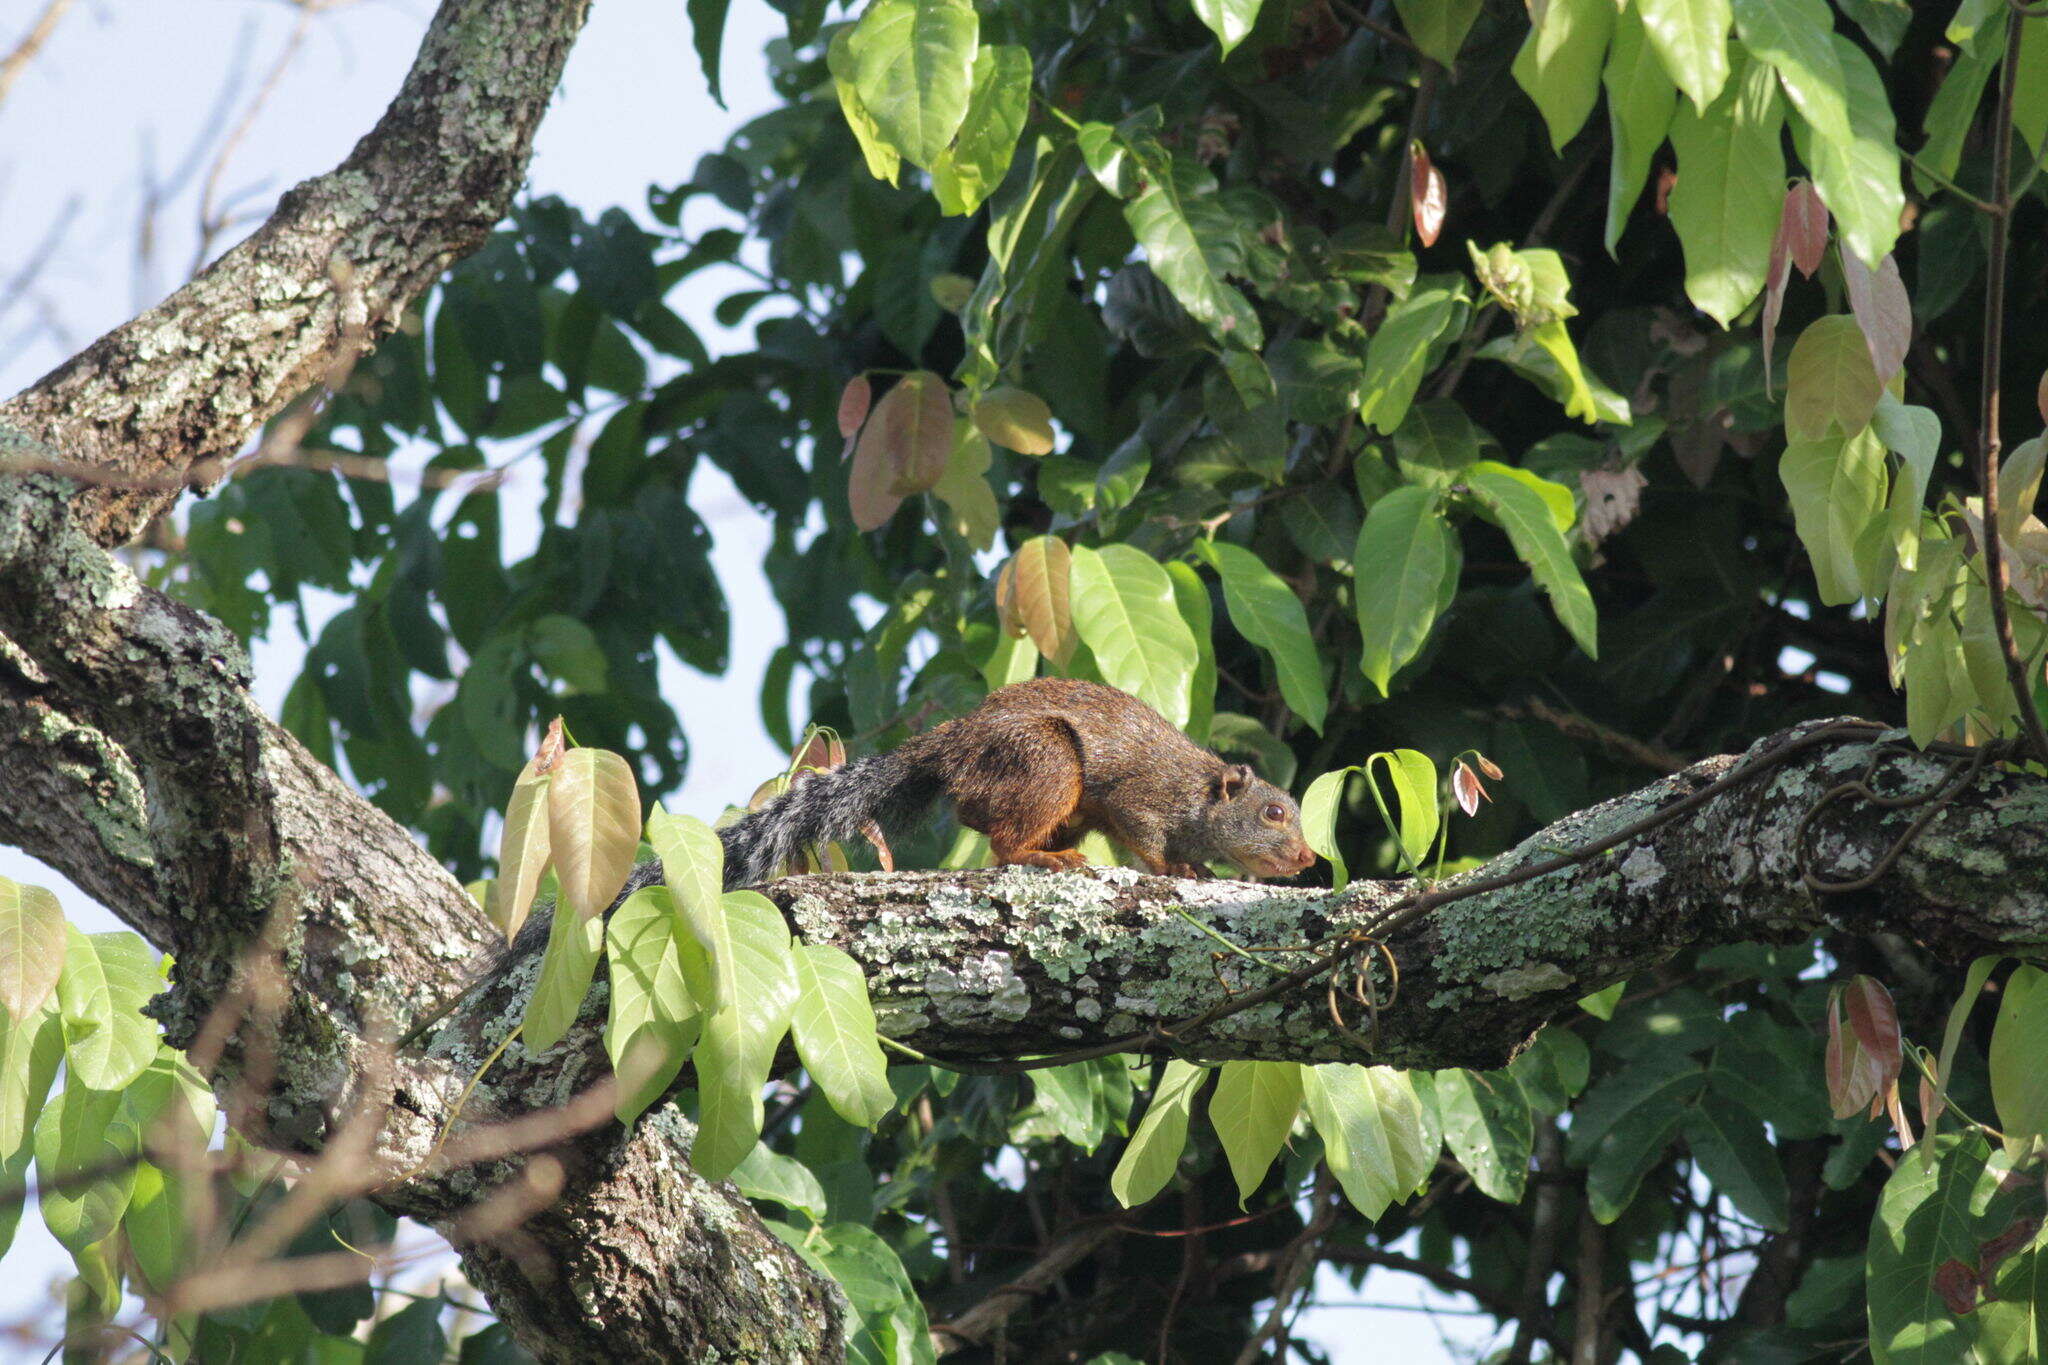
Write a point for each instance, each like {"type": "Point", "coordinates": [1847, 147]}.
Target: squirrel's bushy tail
{"type": "Point", "coordinates": [823, 807]}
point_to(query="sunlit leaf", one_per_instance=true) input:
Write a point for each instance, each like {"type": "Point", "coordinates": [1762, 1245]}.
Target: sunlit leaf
{"type": "Point", "coordinates": [1253, 1110]}
{"type": "Point", "coordinates": [593, 827]}
{"type": "Point", "coordinates": [652, 1023]}
{"type": "Point", "coordinates": [737, 1048]}
{"type": "Point", "coordinates": [1725, 205]}
{"type": "Point", "coordinates": [1523, 513]}
{"type": "Point", "coordinates": [834, 1027]}
{"type": "Point", "coordinates": [1153, 1154]}
{"type": "Point", "coordinates": [913, 67]}
{"type": "Point", "coordinates": [1124, 609]}
{"type": "Point", "coordinates": [31, 947]}
{"type": "Point", "coordinates": [1267, 612]}
{"type": "Point", "coordinates": [522, 851]}
{"type": "Point", "coordinates": [1559, 64]}
{"type": "Point", "coordinates": [107, 979]}
{"type": "Point", "coordinates": [1641, 98]}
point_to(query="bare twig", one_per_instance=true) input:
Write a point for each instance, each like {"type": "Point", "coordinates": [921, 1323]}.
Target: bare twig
{"type": "Point", "coordinates": [1655, 757]}
{"type": "Point", "coordinates": [17, 287]}
{"type": "Point", "coordinates": [1994, 343]}
{"type": "Point", "coordinates": [15, 62]}
{"type": "Point", "coordinates": [213, 220]}
{"type": "Point", "coordinates": [1592, 1298]}
{"type": "Point", "coordinates": [1545, 1223]}
{"type": "Point", "coordinates": [1297, 1263]}
{"type": "Point", "coordinates": [980, 1322]}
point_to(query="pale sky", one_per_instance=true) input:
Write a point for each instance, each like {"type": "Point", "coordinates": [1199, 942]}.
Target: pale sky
{"type": "Point", "coordinates": [122, 87]}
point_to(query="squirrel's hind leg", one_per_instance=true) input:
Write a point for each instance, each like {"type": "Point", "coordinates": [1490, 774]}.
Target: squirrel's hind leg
{"type": "Point", "coordinates": [1027, 805]}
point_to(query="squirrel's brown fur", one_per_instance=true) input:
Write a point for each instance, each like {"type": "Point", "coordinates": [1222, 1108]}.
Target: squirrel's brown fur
{"type": "Point", "coordinates": [1037, 765]}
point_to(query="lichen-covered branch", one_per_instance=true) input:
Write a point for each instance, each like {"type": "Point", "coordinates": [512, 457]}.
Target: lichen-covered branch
{"type": "Point", "coordinates": [1018, 962]}
{"type": "Point", "coordinates": [330, 271]}
{"type": "Point", "coordinates": [136, 762]}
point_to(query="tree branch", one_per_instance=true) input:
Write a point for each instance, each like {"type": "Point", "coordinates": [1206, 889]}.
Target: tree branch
{"type": "Point", "coordinates": [186, 383]}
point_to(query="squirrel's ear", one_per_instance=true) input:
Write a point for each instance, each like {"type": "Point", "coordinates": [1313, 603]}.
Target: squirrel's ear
{"type": "Point", "coordinates": [1232, 780]}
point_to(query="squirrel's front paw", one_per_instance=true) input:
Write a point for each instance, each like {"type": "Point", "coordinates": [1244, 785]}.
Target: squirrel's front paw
{"type": "Point", "coordinates": [1055, 860]}
{"type": "Point", "coordinates": [1190, 871]}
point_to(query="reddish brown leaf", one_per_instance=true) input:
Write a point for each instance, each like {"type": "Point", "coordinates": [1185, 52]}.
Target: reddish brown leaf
{"type": "Point", "coordinates": [1490, 768]}
{"type": "Point", "coordinates": [2041, 396]}
{"type": "Point", "coordinates": [1875, 1019]}
{"type": "Point", "coordinates": [1957, 1284]}
{"type": "Point", "coordinates": [1890, 1099]}
{"type": "Point", "coordinates": [1427, 194]}
{"type": "Point", "coordinates": [853, 404]}
{"type": "Point", "coordinates": [821, 749]}
{"type": "Point", "coordinates": [867, 487]}
{"type": "Point", "coordinates": [1858, 1075]}
{"type": "Point", "coordinates": [919, 431]}
{"type": "Point", "coordinates": [1805, 225]}
{"type": "Point", "coordinates": [1032, 594]}
{"type": "Point", "coordinates": [1465, 785]}
{"type": "Point", "coordinates": [551, 746]}
{"type": "Point", "coordinates": [1882, 310]}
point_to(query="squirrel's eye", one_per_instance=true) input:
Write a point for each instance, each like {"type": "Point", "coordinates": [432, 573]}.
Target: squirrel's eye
{"type": "Point", "coordinates": [1275, 812]}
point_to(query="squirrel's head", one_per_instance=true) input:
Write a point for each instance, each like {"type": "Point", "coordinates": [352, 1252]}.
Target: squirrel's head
{"type": "Point", "coordinates": [1256, 826]}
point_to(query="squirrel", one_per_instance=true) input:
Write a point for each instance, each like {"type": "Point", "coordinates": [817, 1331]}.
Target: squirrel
{"type": "Point", "coordinates": [1034, 767]}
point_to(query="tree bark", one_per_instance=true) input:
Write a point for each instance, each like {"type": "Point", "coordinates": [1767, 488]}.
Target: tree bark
{"type": "Point", "coordinates": [159, 402]}
{"type": "Point", "coordinates": [309, 928]}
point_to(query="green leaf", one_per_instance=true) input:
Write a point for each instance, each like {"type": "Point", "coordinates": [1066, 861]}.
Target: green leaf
{"type": "Point", "coordinates": [1837, 490]}
{"type": "Point", "coordinates": [1731, 178]}
{"type": "Point", "coordinates": [1559, 64]}
{"type": "Point", "coordinates": [1915, 433]}
{"type": "Point", "coordinates": [2019, 1083]}
{"type": "Point", "coordinates": [767, 1174]}
{"type": "Point", "coordinates": [567, 649]}
{"type": "Point", "coordinates": [1125, 611]}
{"type": "Point", "coordinates": [1374, 1138]}
{"type": "Point", "coordinates": [593, 828]}
{"type": "Point", "coordinates": [1794, 37]}
{"type": "Point", "coordinates": [1831, 384]}
{"type": "Point", "coordinates": [1690, 38]}
{"type": "Point", "coordinates": [834, 1026]}
{"type": "Point", "coordinates": [884, 162]}
{"type": "Point", "coordinates": [1438, 27]}
{"type": "Point", "coordinates": [1253, 1111]}
{"type": "Point", "coordinates": [1624, 1155]}
{"type": "Point", "coordinates": [893, 1328]}
{"type": "Point", "coordinates": [1600, 1004]}
{"type": "Point", "coordinates": [154, 1223]}
{"type": "Point", "coordinates": [737, 1051]}
{"type": "Point", "coordinates": [1154, 1151]}
{"type": "Point", "coordinates": [1489, 1129]}
{"type": "Point", "coordinates": [566, 967]}
{"type": "Point", "coordinates": [1414, 779]}
{"type": "Point", "coordinates": [522, 851]}
{"type": "Point", "coordinates": [77, 1133]}
{"type": "Point", "coordinates": [1189, 241]}
{"type": "Point", "coordinates": [1953, 110]}
{"type": "Point", "coordinates": [411, 1335]}
{"type": "Point", "coordinates": [1398, 355]}
{"type": "Point", "coordinates": [652, 1024]}
{"type": "Point", "coordinates": [1405, 552]}
{"type": "Point", "coordinates": [107, 979]}
{"type": "Point", "coordinates": [1858, 178]}
{"type": "Point", "coordinates": [1072, 1097]}
{"type": "Point", "coordinates": [31, 947]}
{"type": "Point", "coordinates": [707, 31]}
{"type": "Point", "coordinates": [1737, 1158]}
{"type": "Point", "coordinates": [29, 1053]}
{"type": "Point", "coordinates": [1641, 96]}
{"type": "Point", "coordinates": [1923, 1222]}
{"type": "Point", "coordinates": [1229, 20]}
{"type": "Point", "coordinates": [967, 173]}
{"type": "Point", "coordinates": [1191, 596]}
{"type": "Point", "coordinates": [693, 866]}
{"type": "Point", "coordinates": [913, 68]}
{"type": "Point", "coordinates": [1523, 513]}
{"type": "Point", "coordinates": [1436, 442]}
{"type": "Point", "coordinates": [1319, 821]}
{"type": "Point", "coordinates": [1267, 612]}
{"type": "Point", "coordinates": [1660, 1081]}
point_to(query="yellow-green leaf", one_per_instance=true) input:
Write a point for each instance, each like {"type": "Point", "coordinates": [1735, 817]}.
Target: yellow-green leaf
{"type": "Point", "coordinates": [522, 851]}
{"type": "Point", "coordinates": [1405, 553]}
{"type": "Point", "coordinates": [1253, 1110]}
{"type": "Point", "coordinates": [1124, 609]}
{"type": "Point", "coordinates": [693, 866]}
{"type": "Point", "coordinates": [1831, 385]}
{"type": "Point", "coordinates": [1154, 1151]}
{"type": "Point", "coordinates": [834, 1028]}
{"type": "Point", "coordinates": [1559, 64]}
{"type": "Point", "coordinates": [1015, 419]}
{"type": "Point", "coordinates": [1731, 184]}
{"type": "Point", "coordinates": [31, 947]}
{"type": "Point", "coordinates": [737, 1050]}
{"type": "Point", "coordinates": [593, 827]}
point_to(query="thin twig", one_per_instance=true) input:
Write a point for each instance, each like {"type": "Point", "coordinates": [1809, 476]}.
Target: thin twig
{"type": "Point", "coordinates": [15, 62]}
{"type": "Point", "coordinates": [213, 221]}
{"type": "Point", "coordinates": [1993, 357]}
